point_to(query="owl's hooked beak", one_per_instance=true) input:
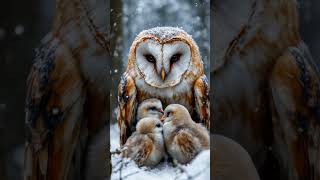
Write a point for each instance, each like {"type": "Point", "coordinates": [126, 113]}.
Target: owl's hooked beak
{"type": "Point", "coordinates": [163, 74]}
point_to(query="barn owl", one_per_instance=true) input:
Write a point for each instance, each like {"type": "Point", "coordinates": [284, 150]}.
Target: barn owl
{"type": "Point", "coordinates": [146, 146]}
{"type": "Point", "coordinates": [163, 63]}
{"type": "Point", "coordinates": [67, 99]}
{"type": "Point", "coordinates": [184, 138]}
{"type": "Point", "coordinates": [266, 90]}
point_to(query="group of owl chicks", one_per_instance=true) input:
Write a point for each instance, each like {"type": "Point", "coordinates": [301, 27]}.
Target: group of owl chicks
{"type": "Point", "coordinates": [160, 133]}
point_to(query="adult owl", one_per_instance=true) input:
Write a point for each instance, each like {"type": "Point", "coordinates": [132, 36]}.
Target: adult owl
{"type": "Point", "coordinates": [163, 63]}
{"type": "Point", "coordinates": [67, 99]}
{"type": "Point", "coordinates": [266, 87]}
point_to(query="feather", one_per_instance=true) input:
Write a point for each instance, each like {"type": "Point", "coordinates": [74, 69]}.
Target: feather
{"type": "Point", "coordinates": [295, 87]}
{"type": "Point", "coordinates": [127, 106]}
{"type": "Point", "coordinates": [202, 101]}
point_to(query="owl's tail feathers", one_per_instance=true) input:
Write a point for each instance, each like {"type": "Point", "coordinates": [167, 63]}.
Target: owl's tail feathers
{"type": "Point", "coordinates": [36, 157]}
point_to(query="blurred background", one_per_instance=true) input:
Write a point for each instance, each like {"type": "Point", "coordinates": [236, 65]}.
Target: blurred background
{"type": "Point", "coordinates": [24, 23]}
{"type": "Point", "coordinates": [22, 26]}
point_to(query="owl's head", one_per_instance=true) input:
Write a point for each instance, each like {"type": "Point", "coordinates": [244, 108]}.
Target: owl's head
{"type": "Point", "coordinates": [163, 56]}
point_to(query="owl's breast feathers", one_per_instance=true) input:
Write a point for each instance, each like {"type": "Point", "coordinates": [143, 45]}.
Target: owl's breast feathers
{"type": "Point", "coordinates": [182, 93]}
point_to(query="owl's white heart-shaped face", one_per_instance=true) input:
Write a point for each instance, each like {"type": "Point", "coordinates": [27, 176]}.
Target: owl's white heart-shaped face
{"type": "Point", "coordinates": [163, 65]}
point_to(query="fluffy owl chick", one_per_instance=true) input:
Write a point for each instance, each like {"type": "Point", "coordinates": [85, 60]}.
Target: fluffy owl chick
{"type": "Point", "coordinates": [184, 138]}
{"type": "Point", "coordinates": [146, 145]}
{"type": "Point", "coordinates": [150, 108]}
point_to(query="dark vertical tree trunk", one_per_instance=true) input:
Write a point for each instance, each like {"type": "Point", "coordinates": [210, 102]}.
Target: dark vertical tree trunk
{"type": "Point", "coordinates": [309, 25]}
{"type": "Point", "coordinates": [116, 15]}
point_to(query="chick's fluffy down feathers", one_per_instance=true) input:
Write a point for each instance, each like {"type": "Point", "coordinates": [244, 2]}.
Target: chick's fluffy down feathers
{"type": "Point", "coordinates": [185, 144]}
{"type": "Point", "coordinates": [145, 146]}
{"type": "Point", "coordinates": [184, 138]}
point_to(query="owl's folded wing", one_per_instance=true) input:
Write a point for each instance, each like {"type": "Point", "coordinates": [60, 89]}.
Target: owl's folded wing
{"type": "Point", "coordinates": [295, 88]}
{"type": "Point", "coordinates": [127, 106]}
{"type": "Point", "coordinates": [202, 101]}
{"type": "Point", "coordinates": [53, 112]}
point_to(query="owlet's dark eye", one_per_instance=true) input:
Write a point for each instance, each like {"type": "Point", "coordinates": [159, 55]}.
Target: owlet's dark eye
{"type": "Point", "coordinates": [158, 125]}
{"type": "Point", "coordinates": [150, 58]}
{"type": "Point", "coordinates": [175, 58]}
{"type": "Point", "coordinates": [152, 108]}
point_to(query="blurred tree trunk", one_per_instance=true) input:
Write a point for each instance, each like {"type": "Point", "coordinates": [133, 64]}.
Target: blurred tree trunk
{"type": "Point", "coordinates": [203, 11]}
{"type": "Point", "coordinates": [116, 15]}
{"type": "Point", "coordinates": [310, 26]}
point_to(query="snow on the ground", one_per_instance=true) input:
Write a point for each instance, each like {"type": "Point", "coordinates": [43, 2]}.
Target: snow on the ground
{"type": "Point", "coordinates": [198, 169]}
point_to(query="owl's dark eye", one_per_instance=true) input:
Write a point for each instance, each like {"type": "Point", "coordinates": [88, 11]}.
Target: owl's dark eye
{"type": "Point", "coordinates": [150, 58]}
{"type": "Point", "coordinates": [175, 58]}
{"type": "Point", "coordinates": [158, 125]}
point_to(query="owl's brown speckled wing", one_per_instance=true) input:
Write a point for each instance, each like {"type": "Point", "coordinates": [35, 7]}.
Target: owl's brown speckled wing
{"type": "Point", "coordinates": [127, 105]}
{"type": "Point", "coordinates": [53, 112]}
{"type": "Point", "coordinates": [202, 101]}
{"type": "Point", "coordinates": [295, 87]}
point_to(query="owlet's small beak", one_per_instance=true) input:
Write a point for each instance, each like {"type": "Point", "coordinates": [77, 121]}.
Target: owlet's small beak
{"type": "Point", "coordinates": [162, 118]}
{"type": "Point", "coordinates": [163, 74]}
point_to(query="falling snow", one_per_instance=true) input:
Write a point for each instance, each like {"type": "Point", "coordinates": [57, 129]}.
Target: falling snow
{"type": "Point", "coordinates": [2, 33]}
{"type": "Point", "coordinates": [19, 30]}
